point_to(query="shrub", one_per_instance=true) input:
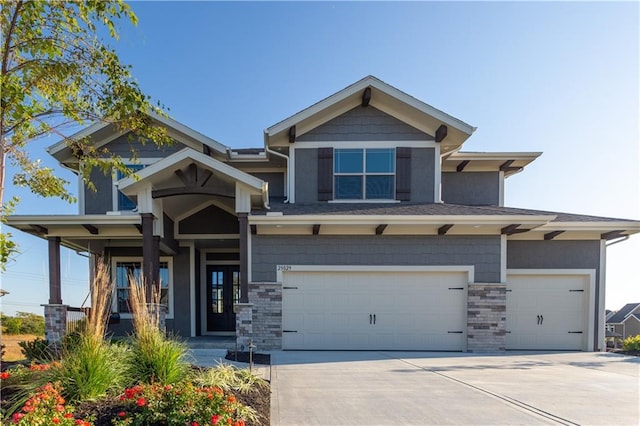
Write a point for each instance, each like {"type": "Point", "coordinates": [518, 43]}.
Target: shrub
{"type": "Point", "coordinates": [37, 350]}
{"type": "Point", "coordinates": [46, 407]}
{"type": "Point", "coordinates": [229, 378]}
{"type": "Point", "coordinates": [23, 323]}
{"type": "Point", "coordinates": [631, 343]}
{"type": "Point", "coordinates": [180, 404]}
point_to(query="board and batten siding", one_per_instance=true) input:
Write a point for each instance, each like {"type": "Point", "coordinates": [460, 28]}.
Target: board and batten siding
{"type": "Point", "coordinates": [471, 188]}
{"type": "Point", "coordinates": [481, 252]}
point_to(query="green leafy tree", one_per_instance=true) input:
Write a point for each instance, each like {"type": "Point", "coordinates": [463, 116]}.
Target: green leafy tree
{"type": "Point", "coordinates": [58, 71]}
{"type": "Point", "coordinates": [23, 323]}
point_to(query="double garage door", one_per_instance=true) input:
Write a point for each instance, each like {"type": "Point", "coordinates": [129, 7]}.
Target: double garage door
{"type": "Point", "coordinates": [372, 310]}
{"type": "Point", "coordinates": [426, 310]}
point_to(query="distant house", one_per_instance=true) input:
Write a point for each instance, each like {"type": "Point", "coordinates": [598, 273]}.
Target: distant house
{"type": "Point", "coordinates": [626, 321]}
{"type": "Point", "coordinates": [359, 224]}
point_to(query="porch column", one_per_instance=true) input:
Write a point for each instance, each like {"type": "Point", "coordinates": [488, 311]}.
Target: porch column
{"type": "Point", "coordinates": [150, 254]}
{"type": "Point", "coordinates": [55, 292]}
{"type": "Point", "coordinates": [244, 257]}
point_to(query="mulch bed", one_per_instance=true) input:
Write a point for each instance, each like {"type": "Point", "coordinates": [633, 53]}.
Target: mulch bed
{"type": "Point", "coordinates": [632, 353]}
{"type": "Point", "coordinates": [262, 359]}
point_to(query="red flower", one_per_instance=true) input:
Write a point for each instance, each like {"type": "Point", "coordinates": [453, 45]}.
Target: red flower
{"type": "Point", "coordinates": [231, 398]}
{"type": "Point", "coordinates": [141, 402]}
{"type": "Point", "coordinates": [215, 419]}
{"type": "Point", "coordinates": [194, 424]}
{"type": "Point", "coordinates": [4, 375]}
{"type": "Point", "coordinates": [168, 387]}
{"type": "Point", "coordinates": [55, 420]}
{"type": "Point", "coordinates": [17, 417]}
{"type": "Point", "coordinates": [68, 416]}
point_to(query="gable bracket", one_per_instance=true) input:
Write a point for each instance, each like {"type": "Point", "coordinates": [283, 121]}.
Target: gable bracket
{"type": "Point", "coordinates": [366, 97]}
{"type": "Point", "coordinates": [254, 229]}
{"type": "Point", "coordinates": [138, 227]}
{"type": "Point", "coordinates": [316, 229]}
{"type": "Point", "coordinates": [292, 134]}
{"type": "Point", "coordinates": [92, 229]}
{"type": "Point", "coordinates": [380, 229]}
{"type": "Point", "coordinates": [612, 235]}
{"type": "Point", "coordinates": [40, 229]}
{"type": "Point", "coordinates": [462, 165]}
{"type": "Point", "coordinates": [444, 229]}
{"type": "Point", "coordinates": [441, 133]}
{"type": "Point", "coordinates": [551, 235]}
{"type": "Point", "coordinates": [512, 229]}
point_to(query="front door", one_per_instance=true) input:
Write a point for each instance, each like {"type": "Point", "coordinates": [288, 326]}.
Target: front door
{"type": "Point", "coordinates": [223, 291]}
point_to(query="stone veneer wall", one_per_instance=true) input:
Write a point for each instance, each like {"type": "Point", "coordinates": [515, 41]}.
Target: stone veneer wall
{"type": "Point", "coordinates": [260, 320]}
{"type": "Point", "coordinates": [486, 315]}
{"type": "Point", "coordinates": [55, 320]}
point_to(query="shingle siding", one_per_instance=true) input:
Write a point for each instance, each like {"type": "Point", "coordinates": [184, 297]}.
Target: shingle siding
{"type": "Point", "coordinates": [483, 252]}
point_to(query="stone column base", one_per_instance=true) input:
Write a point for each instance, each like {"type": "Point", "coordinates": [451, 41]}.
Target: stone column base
{"type": "Point", "coordinates": [55, 323]}
{"type": "Point", "coordinates": [244, 325]}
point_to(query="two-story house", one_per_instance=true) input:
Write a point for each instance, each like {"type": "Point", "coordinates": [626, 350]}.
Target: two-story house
{"type": "Point", "coordinates": [361, 224]}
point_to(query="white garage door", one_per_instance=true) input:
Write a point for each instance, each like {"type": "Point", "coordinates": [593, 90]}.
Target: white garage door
{"type": "Point", "coordinates": [547, 312]}
{"type": "Point", "coordinates": [374, 310]}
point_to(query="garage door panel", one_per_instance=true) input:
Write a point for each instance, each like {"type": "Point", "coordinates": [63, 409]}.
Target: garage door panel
{"type": "Point", "coordinates": [413, 310]}
{"type": "Point", "coordinates": [546, 312]}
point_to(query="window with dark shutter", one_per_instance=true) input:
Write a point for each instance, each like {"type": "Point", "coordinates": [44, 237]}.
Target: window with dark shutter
{"type": "Point", "coordinates": [325, 174]}
{"type": "Point", "coordinates": [403, 174]}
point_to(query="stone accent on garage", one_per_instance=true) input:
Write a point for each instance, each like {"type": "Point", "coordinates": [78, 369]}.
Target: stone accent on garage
{"type": "Point", "coordinates": [486, 315]}
{"type": "Point", "coordinates": [260, 321]}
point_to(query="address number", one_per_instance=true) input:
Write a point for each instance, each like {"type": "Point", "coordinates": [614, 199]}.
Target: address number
{"type": "Point", "coordinates": [284, 268]}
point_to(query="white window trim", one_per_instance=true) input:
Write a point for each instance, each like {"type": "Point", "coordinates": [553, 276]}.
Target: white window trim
{"type": "Point", "coordinates": [114, 301]}
{"type": "Point", "coordinates": [114, 180]}
{"type": "Point", "coordinates": [364, 175]}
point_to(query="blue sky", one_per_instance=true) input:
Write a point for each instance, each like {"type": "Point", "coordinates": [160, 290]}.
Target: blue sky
{"type": "Point", "coordinates": [561, 78]}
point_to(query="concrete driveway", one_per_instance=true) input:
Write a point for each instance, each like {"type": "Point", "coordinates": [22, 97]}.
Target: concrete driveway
{"type": "Point", "coordinates": [409, 388]}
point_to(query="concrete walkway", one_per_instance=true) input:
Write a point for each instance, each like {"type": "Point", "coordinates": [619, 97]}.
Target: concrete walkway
{"type": "Point", "coordinates": [409, 388]}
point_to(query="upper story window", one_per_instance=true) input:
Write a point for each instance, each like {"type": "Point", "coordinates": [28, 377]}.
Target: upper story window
{"type": "Point", "coordinates": [124, 202]}
{"type": "Point", "coordinates": [364, 174]}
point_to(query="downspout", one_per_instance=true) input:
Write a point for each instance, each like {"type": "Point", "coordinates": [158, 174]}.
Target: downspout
{"type": "Point", "coordinates": [286, 173]}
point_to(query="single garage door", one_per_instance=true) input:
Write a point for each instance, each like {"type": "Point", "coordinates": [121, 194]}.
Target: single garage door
{"type": "Point", "coordinates": [547, 312]}
{"type": "Point", "coordinates": [360, 310]}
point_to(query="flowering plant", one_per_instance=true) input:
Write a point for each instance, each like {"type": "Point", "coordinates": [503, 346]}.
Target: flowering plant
{"type": "Point", "coordinates": [46, 407]}
{"type": "Point", "coordinates": [180, 404]}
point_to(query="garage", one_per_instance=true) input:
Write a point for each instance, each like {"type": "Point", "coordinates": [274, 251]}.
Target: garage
{"type": "Point", "coordinates": [374, 309]}
{"type": "Point", "coordinates": [548, 310]}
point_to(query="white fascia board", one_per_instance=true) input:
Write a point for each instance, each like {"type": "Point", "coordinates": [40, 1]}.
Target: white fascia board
{"type": "Point", "coordinates": [88, 131]}
{"type": "Point", "coordinates": [379, 85]}
{"type": "Point", "coordinates": [187, 155]}
{"type": "Point", "coordinates": [189, 132]}
{"type": "Point", "coordinates": [462, 155]}
{"type": "Point", "coordinates": [92, 219]}
{"type": "Point", "coordinates": [524, 221]}
{"type": "Point", "coordinates": [627, 227]}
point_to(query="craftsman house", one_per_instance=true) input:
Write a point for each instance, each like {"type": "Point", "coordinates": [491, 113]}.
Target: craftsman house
{"type": "Point", "coordinates": [361, 224]}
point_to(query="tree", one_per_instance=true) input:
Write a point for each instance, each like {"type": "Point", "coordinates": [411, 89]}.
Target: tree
{"type": "Point", "coordinates": [57, 70]}
{"type": "Point", "coordinates": [23, 323]}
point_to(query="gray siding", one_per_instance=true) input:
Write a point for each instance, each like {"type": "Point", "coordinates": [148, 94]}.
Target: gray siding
{"type": "Point", "coordinates": [471, 188]}
{"type": "Point", "coordinates": [99, 201]}
{"type": "Point", "coordinates": [123, 145]}
{"type": "Point", "coordinates": [306, 167]}
{"type": "Point", "coordinates": [210, 220]}
{"type": "Point", "coordinates": [483, 252]}
{"type": "Point", "coordinates": [422, 175]}
{"type": "Point", "coordinates": [275, 181]}
{"type": "Point", "coordinates": [364, 124]}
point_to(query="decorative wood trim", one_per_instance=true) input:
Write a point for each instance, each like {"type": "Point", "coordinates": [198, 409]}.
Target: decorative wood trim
{"type": "Point", "coordinates": [92, 229]}
{"type": "Point", "coordinates": [187, 190]}
{"type": "Point", "coordinates": [403, 173]}
{"type": "Point", "coordinates": [138, 227]}
{"type": "Point", "coordinates": [254, 229]}
{"type": "Point", "coordinates": [55, 292]}
{"type": "Point", "coordinates": [366, 97]}
{"type": "Point", "coordinates": [380, 229]}
{"type": "Point", "coordinates": [40, 229]}
{"type": "Point", "coordinates": [316, 229]}
{"type": "Point", "coordinates": [441, 133]}
{"type": "Point", "coordinates": [292, 134]}
{"type": "Point", "coordinates": [462, 165]}
{"type": "Point", "coordinates": [612, 235]}
{"type": "Point", "coordinates": [512, 229]}
{"type": "Point", "coordinates": [325, 174]}
{"type": "Point", "coordinates": [551, 235]}
{"type": "Point", "coordinates": [444, 229]}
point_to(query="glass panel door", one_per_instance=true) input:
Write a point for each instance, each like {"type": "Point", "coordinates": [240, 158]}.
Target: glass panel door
{"type": "Point", "coordinates": [223, 292]}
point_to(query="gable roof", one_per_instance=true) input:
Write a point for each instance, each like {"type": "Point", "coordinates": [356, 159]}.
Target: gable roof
{"type": "Point", "coordinates": [622, 314]}
{"type": "Point", "coordinates": [384, 97]}
{"type": "Point", "coordinates": [102, 133]}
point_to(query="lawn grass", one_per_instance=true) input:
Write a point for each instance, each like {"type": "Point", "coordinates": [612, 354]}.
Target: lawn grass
{"type": "Point", "coordinates": [13, 352]}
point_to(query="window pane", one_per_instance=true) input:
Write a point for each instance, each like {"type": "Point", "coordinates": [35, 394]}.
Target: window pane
{"type": "Point", "coordinates": [348, 161]}
{"type": "Point", "coordinates": [124, 202]}
{"type": "Point", "coordinates": [380, 160]}
{"type": "Point", "coordinates": [379, 187]}
{"type": "Point", "coordinates": [124, 270]}
{"type": "Point", "coordinates": [348, 187]}
{"type": "Point", "coordinates": [164, 275]}
{"type": "Point", "coordinates": [123, 300]}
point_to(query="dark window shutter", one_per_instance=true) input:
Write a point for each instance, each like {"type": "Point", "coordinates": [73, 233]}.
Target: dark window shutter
{"type": "Point", "coordinates": [403, 174]}
{"type": "Point", "coordinates": [325, 174]}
